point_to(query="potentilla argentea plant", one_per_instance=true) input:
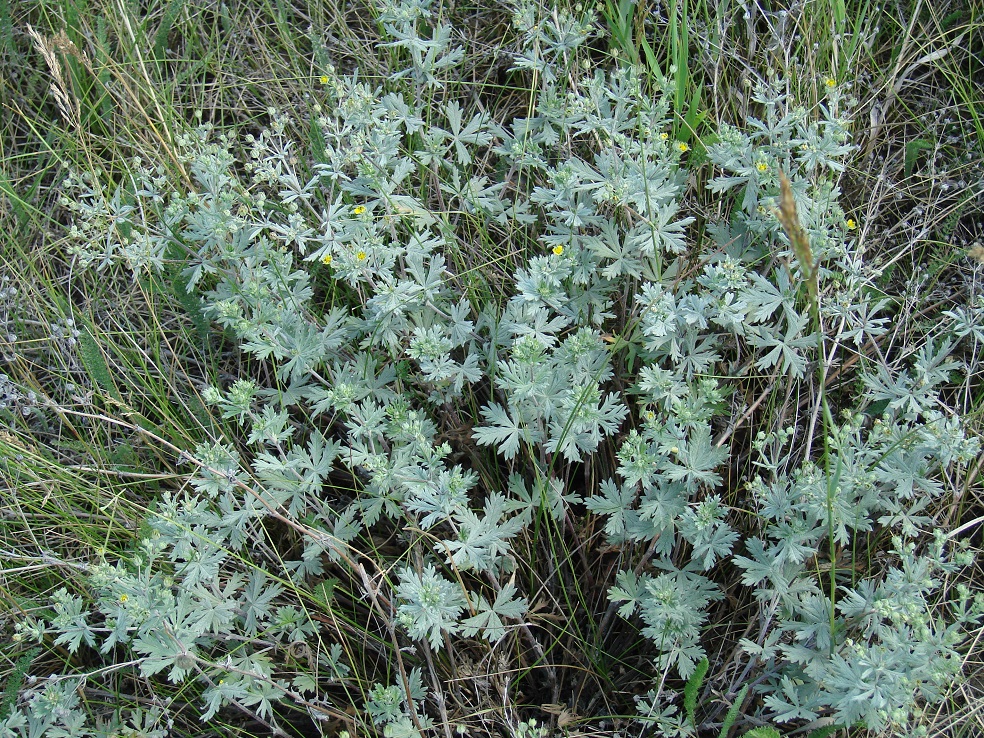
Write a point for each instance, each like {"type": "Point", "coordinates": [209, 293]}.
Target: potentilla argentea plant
{"type": "Point", "coordinates": [415, 479]}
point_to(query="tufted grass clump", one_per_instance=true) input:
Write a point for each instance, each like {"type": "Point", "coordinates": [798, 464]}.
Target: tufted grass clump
{"type": "Point", "coordinates": [438, 404]}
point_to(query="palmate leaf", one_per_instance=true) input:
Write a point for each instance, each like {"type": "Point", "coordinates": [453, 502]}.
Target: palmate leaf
{"type": "Point", "coordinates": [483, 540]}
{"type": "Point", "coordinates": [786, 350]}
{"type": "Point", "coordinates": [615, 501]}
{"type": "Point", "coordinates": [715, 544]}
{"type": "Point", "coordinates": [503, 431]}
{"type": "Point", "coordinates": [794, 703]}
{"type": "Point", "coordinates": [765, 298]}
{"type": "Point", "coordinates": [584, 415]}
{"type": "Point", "coordinates": [431, 605]}
{"type": "Point", "coordinates": [70, 620]}
{"type": "Point", "coordinates": [473, 133]}
{"type": "Point", "coordinates": [627, 590]}
{"type": "Point", "coordinates": [697, 460]}
{"type": "Point", "coordinates": [257, 600]}
{"type": "Point", "coordinates": [489, 617]}
{"type": "Point", "coordinates": [173, 646]}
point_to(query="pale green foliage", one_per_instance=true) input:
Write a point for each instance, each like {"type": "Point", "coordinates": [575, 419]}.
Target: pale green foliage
{"type": "Point", "coordinates": [614, 340]}
{"type": "Point", "coordinates": [432, 605]}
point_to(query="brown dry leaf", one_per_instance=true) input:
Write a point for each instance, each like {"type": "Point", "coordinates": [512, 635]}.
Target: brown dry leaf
{"type": "Point", "coordinates": [566, 717]}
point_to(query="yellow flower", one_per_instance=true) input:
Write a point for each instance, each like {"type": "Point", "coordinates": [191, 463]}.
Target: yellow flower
{"type": "Point", "coordinates": [830, 82]}
{"type": "Point", "coordinates": [123, 599]}
{"type": "Point", "coordinates": [323, 79]}
{"type": "Point", "coordinates": [326, 259]}
{"type": "Point", "coordinates": [663, 136]}
{"type": "Point", "coordinates": [851, 225]}
{"type": "Point", "coordinates": [558, 250]}
{"type": "Point", "coordinates": [359, 210]}
{"type": "Point", "coordinates": [682, 147]}
{"type": "Point", "coordinates": [762, 166]}
{"type": "Point", "coordinates": [361, 256]}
